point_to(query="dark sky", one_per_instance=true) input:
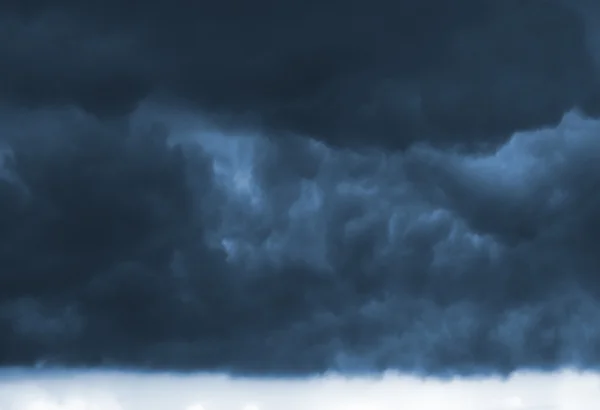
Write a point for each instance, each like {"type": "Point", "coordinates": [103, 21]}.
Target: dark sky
{"type": "Point", "coordinates": [290, 187]}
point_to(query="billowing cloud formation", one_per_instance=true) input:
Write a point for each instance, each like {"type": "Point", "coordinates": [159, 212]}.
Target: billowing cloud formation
{"type": "Point", "coordinates": [296, 187]}
{"type": "Point", "coordinates": [398, 71]}
{"type": "Point", "coordinates": [182, 247]}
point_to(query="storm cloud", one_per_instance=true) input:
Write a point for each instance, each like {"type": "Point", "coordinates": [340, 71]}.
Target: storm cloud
{"type": "Point", "coordinates": [299, 188]}
{"type": "Point", "coordinates": [472, 71]}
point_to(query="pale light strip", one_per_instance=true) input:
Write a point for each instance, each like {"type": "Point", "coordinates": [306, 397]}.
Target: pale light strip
{"type": "Point", "coordinates": [28, 390]}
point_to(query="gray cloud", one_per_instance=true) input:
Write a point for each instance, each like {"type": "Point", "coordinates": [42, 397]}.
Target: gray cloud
{"type": "Point", "coordinates": [187, 247]}
{"type": "Point", "coordinates": [275, 188]}
{"type": "Point", "coordinates": [352, 73]}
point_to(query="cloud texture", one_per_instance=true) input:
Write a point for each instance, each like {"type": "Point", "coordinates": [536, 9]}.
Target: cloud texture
{"type": "Point", "coordinates": [347, 72]}
{"type": "Point", "coordinates": [275, 189]}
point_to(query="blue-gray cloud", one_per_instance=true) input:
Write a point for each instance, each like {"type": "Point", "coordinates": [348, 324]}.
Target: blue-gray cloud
{"type": "Point", "coordinates": [182, 247]}
{"type": "Point", "coordinates": [295, 188]}
{"type": "Point", "coordinates": [470, 71]}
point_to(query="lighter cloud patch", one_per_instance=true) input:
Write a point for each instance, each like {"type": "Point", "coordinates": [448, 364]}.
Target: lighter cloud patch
{"type": "Point", "coordinates": [529, 158]}
{"type": "Point", "coordinates": [259, 227]}
{"type": "Point", "coordinates": [370, 194]}
{"type": "Point", "coordinates": [233, 160]}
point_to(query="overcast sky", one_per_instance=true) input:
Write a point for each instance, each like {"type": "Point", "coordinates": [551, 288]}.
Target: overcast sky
{"type": "Point", "coordinates": [291, 188]}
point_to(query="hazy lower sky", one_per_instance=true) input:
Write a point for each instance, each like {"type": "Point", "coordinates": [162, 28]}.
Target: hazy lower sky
{"type": "Point", "coordinates": [129, 391]}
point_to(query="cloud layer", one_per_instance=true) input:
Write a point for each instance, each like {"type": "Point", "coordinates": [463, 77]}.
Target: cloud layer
{"type": "Point", "coordinates": [122, 246]}
{"type": "Point", "coordinates": [273, 189]}
{"type": "Point", "coordinates": [396, 71]}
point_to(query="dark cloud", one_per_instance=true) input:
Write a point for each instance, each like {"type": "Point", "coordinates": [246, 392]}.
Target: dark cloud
{"type": "Point", "coordinates": [241, 253]}
{"type": "Point", "coordinates": [153, 215]}
{"type": "Point", "coordinates": [347, 72]}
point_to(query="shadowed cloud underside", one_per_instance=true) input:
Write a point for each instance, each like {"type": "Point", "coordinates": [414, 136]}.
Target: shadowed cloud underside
{"type": "Point", "coordinates": [300, 190]}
